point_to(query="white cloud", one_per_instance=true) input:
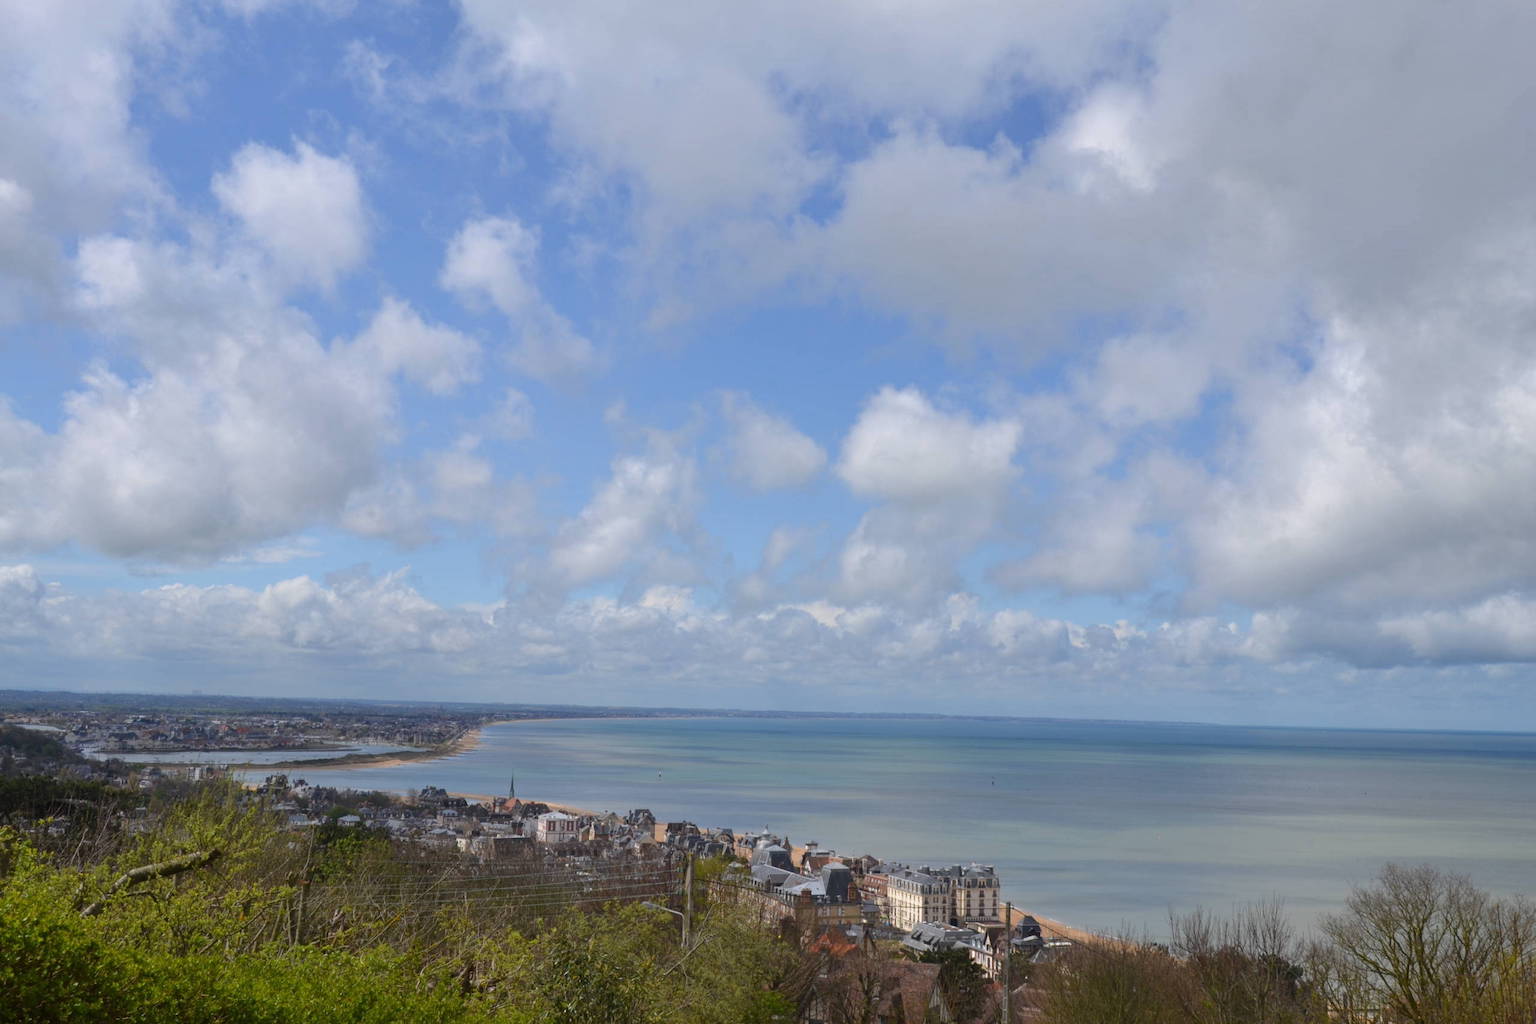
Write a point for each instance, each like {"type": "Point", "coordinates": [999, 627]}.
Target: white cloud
{"type": "Point", "coordinates": [495, 259]}
{"type": "Point", "coordinates": [945, 477]}
{"type": "Point", "coordinates": [983, 243]}
{"type": "Point", "coordinates": [766, 452]}
{"type": "Point", "coordinates": [357, 625]}
{"type": "Point", "coordinates": [236, 425]}
{"type": "Point", "coordinates": [1103, 535]}
{"type": "Point", "coordinates": [891, 556]}
{"type": "Point", "coordinates": [399, 341]}
{"type": "Point", "coordinates": [305, 210]}
{"type": "Point", "coordinates": [730, 135]}
{"type": "Point", "coordinates": [647, 499]}
{"type": "Point", "coordinates": [21, 603]}
{"type": "Point", "coordinates": [466, 489]}
{"type": "Point", "coordinates": [1500, 628]}
{"type": "Point", "coordinates": [1396, 471]}
{"type": "Point", "coordinates": [72, 161]}
{"type": "Point", "coordinates": [551, 350]}
{"type": "Point", "coordinates": [390, 507]}
{"type": "Point", "coordinates": [904, 448]}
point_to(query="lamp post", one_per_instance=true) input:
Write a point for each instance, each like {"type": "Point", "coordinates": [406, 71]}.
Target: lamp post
{"type": "Point", "coordinates": [657, 906]}
{"type": "Point", "coordinates": [687, 912]}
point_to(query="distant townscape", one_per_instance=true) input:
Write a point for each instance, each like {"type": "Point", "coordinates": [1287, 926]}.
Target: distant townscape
{"type": "Point", "coordinates": [929, 909]}
{"type": "Point", "coordinates": [129, 889]}
{"type": "Point", "coordinates": [837, 903]}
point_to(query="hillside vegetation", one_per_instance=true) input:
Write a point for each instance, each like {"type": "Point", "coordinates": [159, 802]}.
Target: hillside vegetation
{"type": "Point", "coordinates": [198, 904]}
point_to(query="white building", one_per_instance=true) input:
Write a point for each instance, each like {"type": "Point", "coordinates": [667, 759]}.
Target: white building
{"type": "Point", "coordinates": [557, 827]}
{"type": "Point", "coordinates": [976, 893]}
{"type": "Point", "coordinates": [952, 895]}
{"type": "Point", "coordinates": [915, 897]}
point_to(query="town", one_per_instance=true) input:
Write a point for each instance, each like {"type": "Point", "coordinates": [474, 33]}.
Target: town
{"type": "Point", "coordinates": [519, 855]}
{"type": "Point", "coordinates": [830, 900]}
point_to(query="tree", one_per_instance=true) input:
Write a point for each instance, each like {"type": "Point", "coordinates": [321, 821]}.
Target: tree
{"type": "Point", "coordinates": [1243, 970]}
{"type": "Point", "coordinates": [963, 983]}
{"type": "Point", "coordinates": [1430, 948]}
{"type": "Point", "coordinates": [1113, 982]}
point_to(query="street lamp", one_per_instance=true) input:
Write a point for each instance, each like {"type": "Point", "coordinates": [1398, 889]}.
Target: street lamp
{"type": "Point", "coordinates": [657, 906]}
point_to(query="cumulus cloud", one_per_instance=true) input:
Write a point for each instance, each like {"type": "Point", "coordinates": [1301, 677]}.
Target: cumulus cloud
{"type": "Point", "coordinates": [1275, 343]}
{"type": "Point", "coordinates": [1396, 470]}
{"type": "Point", "coordinates": [730, 134]}
{"type": "Point", "coordinates": [766, 452]}
{"type": "Point", "coordinates": [72, 160]}
{"type": "Point", "coordinates": [494, 259]}
{"type": "Point", "coordinates": [944, 477]}
{"type": "Point", "coordinates": [358, 624]}
{"type": "Point", "coordinates": [236, 425]}
{"type": "Point", "coordinates": [904, 448]}
{"type": "Point", "coordinates": [648, 500]}
{"type": "Point", "coordinates": [399, 341]}
{"type": "Point", "coordinates": [304, 209]}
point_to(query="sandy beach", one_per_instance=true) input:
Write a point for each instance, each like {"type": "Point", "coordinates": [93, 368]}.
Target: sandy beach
{"type": "Point", "coordinates": [1053, 929]}
{"type": "Point", "coordinates": [463, 744]}
{"type": "Point", "coordinates": [566, 808]}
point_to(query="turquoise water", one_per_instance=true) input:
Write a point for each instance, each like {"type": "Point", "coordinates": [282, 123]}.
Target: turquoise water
{"type": "Point", "coordinates": [1103, 825]}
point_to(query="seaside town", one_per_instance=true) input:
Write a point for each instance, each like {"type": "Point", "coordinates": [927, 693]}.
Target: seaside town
{"type": "Point", "coordinates": [835, 905]}
{"type": "Point", "coordinates": [584, 917]}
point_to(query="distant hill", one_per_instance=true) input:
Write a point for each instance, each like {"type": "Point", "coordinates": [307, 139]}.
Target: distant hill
{"type": "Point", "coordinates": [23, 749]}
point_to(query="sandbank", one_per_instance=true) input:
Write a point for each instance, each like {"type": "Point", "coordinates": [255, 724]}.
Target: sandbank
{"type": "Point", "coordinates": [566, 808]}
{"type": "Point", "coordinates": [462, 744]}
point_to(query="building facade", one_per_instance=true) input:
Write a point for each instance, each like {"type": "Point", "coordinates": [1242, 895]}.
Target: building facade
{"type": "Point", "coordinates": [952, 895]}
{"type": "Point", "coordinates": [557, 827]}
{"type": "Point", "coordinates": [915, 897]}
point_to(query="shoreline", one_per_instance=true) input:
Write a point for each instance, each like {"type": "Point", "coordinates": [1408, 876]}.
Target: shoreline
{"type": "Point", "coordinates": [469, 740]}
{"type": "Point", "coordinates": [565, 808]}
{"type": "Point", "coordinates": [461, 744]}
{"type": "Point", "coordinates": [1054, 929]}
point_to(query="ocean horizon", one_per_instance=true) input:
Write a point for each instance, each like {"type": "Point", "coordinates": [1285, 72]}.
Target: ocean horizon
{"type": "Point", "coordinates": [1107, 825]}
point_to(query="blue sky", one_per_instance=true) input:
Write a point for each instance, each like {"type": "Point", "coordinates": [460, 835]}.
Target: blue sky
{"type": "Point", "coordinates": [1113, 359]}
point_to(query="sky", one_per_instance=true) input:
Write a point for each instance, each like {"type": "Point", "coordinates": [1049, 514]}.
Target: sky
{"type": "Point", "coordinates": [1152, 359]}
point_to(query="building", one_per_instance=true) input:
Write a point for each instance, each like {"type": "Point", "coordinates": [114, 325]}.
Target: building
{"type": "Point", "coordinates": [976, 893]}
{"type": "Point", "coordinates": [813, 901]}
{"type": "Point", "coordinates": [557, 827]}
{"type": "Point", "coordinates": [915, 897]}
{"type": "Point", "coordinates": [953, 895]}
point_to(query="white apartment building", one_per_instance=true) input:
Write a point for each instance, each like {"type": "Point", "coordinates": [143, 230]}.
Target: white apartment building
{"type": "Point", "coordinates": [976, 893]}
{"type": "Point", "coordinates": [950, 895]}
{"type": "Point", "coordinates": [557, 827]}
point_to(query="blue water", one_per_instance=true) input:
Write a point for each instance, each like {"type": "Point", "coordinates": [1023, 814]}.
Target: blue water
{"type": "Point", "coordinates": [1103, 825]}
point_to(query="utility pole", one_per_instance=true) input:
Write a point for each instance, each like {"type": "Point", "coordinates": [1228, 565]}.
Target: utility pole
{"type": "Point", "coordinates": [687, 899]}
{"type": "Point", "coordinates": [1007, 963]}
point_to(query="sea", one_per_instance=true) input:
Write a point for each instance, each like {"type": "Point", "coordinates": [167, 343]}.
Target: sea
{"type": "Point", "coordinates": [1108, 826]}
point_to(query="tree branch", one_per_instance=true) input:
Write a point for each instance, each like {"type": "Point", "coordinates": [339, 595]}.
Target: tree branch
{"type": "Point", "coordinates": [166, 868]}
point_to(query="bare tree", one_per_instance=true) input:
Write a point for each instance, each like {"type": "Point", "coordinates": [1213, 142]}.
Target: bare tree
{"type": "Point", "coordinates": [1430, 948]}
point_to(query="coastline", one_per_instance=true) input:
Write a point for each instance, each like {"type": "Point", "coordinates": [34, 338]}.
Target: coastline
{"type": "Point", "coordinates": [470, 739]}
{"type": "Point", "coordinates": [1053, 929]}
{"type": "Point", "coordinates": [461, 744]}
{"type": "Point", "coordinates": [579, 812]}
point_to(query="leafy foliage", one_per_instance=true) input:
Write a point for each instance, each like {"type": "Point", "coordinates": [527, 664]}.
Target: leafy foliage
{"type": "Point", "coordinates": [286, 926]}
